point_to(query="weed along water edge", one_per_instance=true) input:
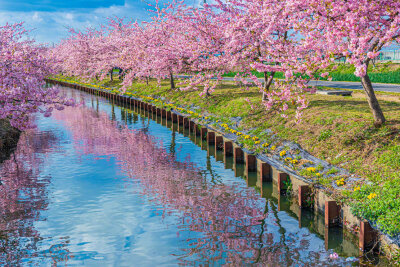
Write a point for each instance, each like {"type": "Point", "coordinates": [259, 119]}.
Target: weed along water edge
{"type": "Point", "coordinates": [110, 183]}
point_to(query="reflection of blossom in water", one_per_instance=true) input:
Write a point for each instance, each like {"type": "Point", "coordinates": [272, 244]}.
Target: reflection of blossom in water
{"type": "Point", "coordinates": [231, 219]}
{"type": "Point", "coordinates": [22, 196]}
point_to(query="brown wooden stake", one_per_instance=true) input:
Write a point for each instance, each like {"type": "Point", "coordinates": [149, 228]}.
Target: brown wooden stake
{"type": "Point", "coordinates": [265, 172]}
{"type": "Point", "coordinates": [332, 213]}
{"type": "Point", "coordinates": [185, 123]}
{"type": "Point", "coordinates": [251, 163]}
{"type": "Point", "coordinates": [367, 236]}
{"type": "Point", "coordinates": [238, 155]}
{"type": "Point", "coordinates": [282, 178]}
{"type": "Point", "coordinates": [203, 132]}
{"type": "Point", "coordinates": [219, 142]}
{"type": "Point", "coordinates": [228, 148]}
{"type": "Point", "coordinates": [304, 194]}
{"type": "Point", "coordinates": [210, 137]}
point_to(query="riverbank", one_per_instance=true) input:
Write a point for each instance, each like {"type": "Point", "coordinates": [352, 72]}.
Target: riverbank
{"type": "Point", "coordinates": [336, 129]}
{"type": "Point", "coordinates": [9, 137]}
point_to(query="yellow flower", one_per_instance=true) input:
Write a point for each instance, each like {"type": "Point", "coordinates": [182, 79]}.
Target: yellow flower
{"type": "Point", "coordinates": [206, 118]}
{"type": "Point", "coordinates": [283, 153]}
{"type": "Point", "coordinates": [340, 182]}
{"type": "Point", "coordinates": [356, 188]}
{"type": "Point", "coordinates": [273, 147]}
{"type": "Point", "coordinates": [295, 161]}
{"type": "Point", "coordinates": [256, 142]}
{"type": "Point", "coordinates": [311, 169]}
{"type": "Point", "coordinates": [372, 195]}
{"type": "Point", "coordinates": [318, 174]}
{"type": "Point", "coordinates": [265, 145]}
{"type": "Point", "coordinates": [288, 159]}
{"type": "Point", "coordinates": [247, 137]}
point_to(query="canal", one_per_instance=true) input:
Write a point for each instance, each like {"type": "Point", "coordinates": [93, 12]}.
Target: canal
{"type": "Point", "coordinates": [103, 184]}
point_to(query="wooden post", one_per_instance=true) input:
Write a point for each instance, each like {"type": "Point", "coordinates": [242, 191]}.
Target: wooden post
{"type": "Point", "coordinates": [219, 142]}
{"type": "Point", "coordinates": [168, 115]}
{"type": "Point", "coordinates": [203, 132]}
{"type": "Point", "coordinates": [282, 177]}
{"type": "Point", "coordinates": [304, 193]}
{"type": "Point", "coordinates": [185, 122]}
{"type": "Point", "coordinates": [332, 213]}
{"type": "Point", "coordinates": [174, 117]}
{"type": "Point", "coordinates": [251, 163]}
{"type": "Point", "coordinates": [210, 137]}
{"type": "Point", "coordinates": [238, 155]}
{"type": "Point", "coordinates": [192, 127]}
{"type": "Point", "coordinates": [228, 148]}
{"type": "Point", "coordinates": [197, 130]}
{"type": "Point", "coordinates": [367, 236]}
{"type": "Point", "coordinates": [180, 120]}
{"type": "Point", "coordinates": [265, 172]}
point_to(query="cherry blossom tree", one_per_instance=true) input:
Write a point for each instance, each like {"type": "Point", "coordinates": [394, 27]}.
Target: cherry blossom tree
{"type": "Point", "coordinates": [357, 30]}
{"type": "Point", "coordinates": [296, 38]}
{"type": "Point", "coordinates": [78, 54]}
{"type": "Point", "coordinates": [199, 37]}
{"type": "Point", "coordinates": [23, 67]}
{"type": "Point", "coordinates": [264, 36]}
{"type": "Point", "coordinates": [259, 38]}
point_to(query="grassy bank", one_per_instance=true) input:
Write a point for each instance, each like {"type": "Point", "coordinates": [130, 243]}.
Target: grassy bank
{"type": "Point", "coordinates": [334, 128]}
{"type": "Point", "coordinates": [380, 73]}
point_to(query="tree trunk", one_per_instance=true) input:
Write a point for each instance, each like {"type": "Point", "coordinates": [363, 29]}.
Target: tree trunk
{"type": "Point", "coordinates": [171, 77]}
{"type": "Point", "coordinates": [111, 75]}
{"type": "Point", "coordinates": [267, 83]}
{"type": "Point", "coordinates": [379, 118]}
{"type": "Point", "coordinates": [147, 80]}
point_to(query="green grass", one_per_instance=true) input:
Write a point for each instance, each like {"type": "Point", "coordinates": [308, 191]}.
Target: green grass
{"type": "Point", "coordinates": [337, 129]}
{"type": "Point", "coordinates": [278, 75]}
{"type": "Point", "coordinates": [384, 209]}
{"type": "Point", "coordinates": [380, 73]}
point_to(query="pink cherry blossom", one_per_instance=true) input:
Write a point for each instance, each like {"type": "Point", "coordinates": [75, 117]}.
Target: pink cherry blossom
{"type": "Point", "coordinates": [23, 67]}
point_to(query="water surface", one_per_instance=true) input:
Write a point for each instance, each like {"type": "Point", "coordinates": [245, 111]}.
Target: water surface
{"type": "Point", "coordinates": [101, 185]}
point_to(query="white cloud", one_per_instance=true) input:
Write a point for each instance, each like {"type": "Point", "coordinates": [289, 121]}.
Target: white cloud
{"type": "Point", "coordinates": [69, 16]}
{"type": "Point", "coordinates": [50, 27]}
{"type": "Point", "coordinates": [37, 17]}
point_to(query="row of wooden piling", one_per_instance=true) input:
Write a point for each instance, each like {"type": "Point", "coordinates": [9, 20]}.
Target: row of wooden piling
{"type": "Point", "coordinates": [307, 196]}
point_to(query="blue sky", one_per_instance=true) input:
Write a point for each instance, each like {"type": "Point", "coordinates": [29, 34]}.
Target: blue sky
{"type": "Point", "coordinates": [49, 20]}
